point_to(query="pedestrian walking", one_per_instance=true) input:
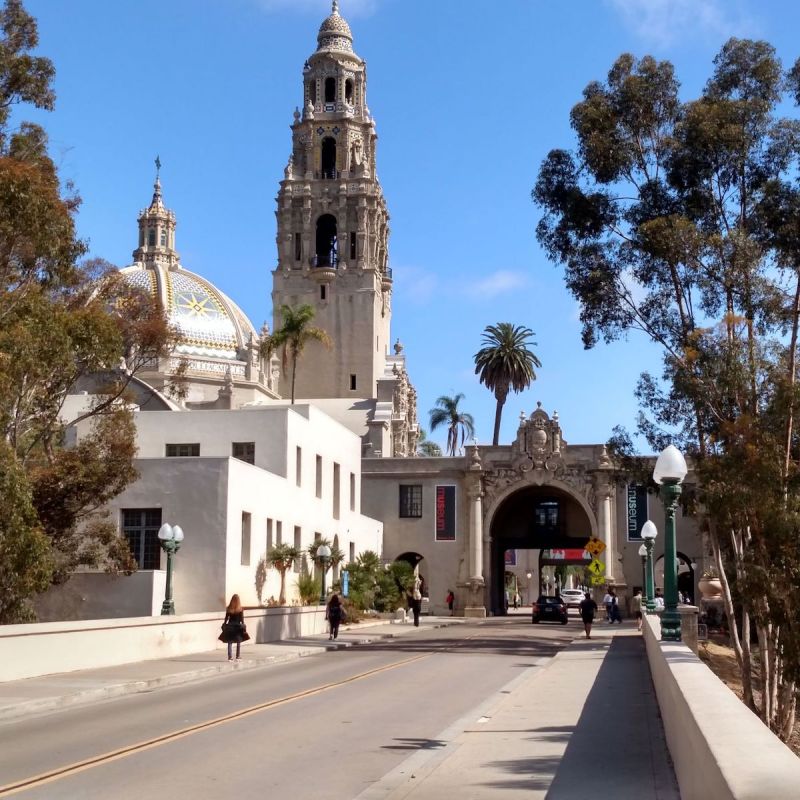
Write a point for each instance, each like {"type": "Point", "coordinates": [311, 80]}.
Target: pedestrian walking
{"type": "Point", "coordinates": [637, 608]}
{"type": "Point", "coordinates": [616, 616]}
{"type": "Point", "coordinates": [506, 598]}
{"type": "Point", "coordinates": [588, 608]}
{"type": "Point", "coordinates": [233, 628]}
{"type": "Point", "coordinates": [516, 601]}
{"type": "Point", "coordinates": [334, 613]}
{"type": "Point", "coordinates": [416, 600]}
{"type": "Point", "coordinates": [659, 600]}
{"type": "Point", "coordinates": [450, 600]}
{"type": "Point", "coordinates": [608, 602]}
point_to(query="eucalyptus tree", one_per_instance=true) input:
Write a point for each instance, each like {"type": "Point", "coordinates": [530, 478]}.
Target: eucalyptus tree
{"type": "Point", "coordinates": [505, 363]}
{"type": "Point", "coordinates": [459, 424]}
{"type": "Point", "coordinates": [678, 218]}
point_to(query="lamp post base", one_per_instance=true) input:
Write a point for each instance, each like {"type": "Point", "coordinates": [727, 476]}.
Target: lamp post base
{"type": "Point", "coordinates": [670, 626]}
{"type": "Point", "coordinates": [167, 607]}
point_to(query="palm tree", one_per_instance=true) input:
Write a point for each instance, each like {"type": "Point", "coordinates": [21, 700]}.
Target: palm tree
{"type": "Point", "coordinates": [447, 413]}
{"type": "Point", "coordinates": [282, 556]}
{"type": "Point", "coordinates": [505, 362]}
{"type": "Point", "coordinates": [295, 333]}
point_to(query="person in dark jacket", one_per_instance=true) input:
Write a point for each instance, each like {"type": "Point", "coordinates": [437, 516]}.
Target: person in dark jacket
{"type": "Point", "coordinates": [334, 614]}
{"type": "Point", "coordinates": [233, 628]}
{"type": "Point", "coordinates": [588, 609]}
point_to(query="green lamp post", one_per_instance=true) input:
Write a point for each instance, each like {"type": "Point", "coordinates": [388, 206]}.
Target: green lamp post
{"type": "Point", "coordinates": [649, 533]}
{"type": "Point", "coordinates": [170, 538]}
{"type": "Point", "coordinates": [669, 472]}
{"type": "Point", "coordinates": [643, 556]}
{"type": "Point", "coordinates": [324, 556]}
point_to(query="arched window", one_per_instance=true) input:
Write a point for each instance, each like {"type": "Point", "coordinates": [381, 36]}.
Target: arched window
{"type": "Point", "coordinates": [151, 237]}
{"type": "Point", "coordinates": [329, 157]}
{"type": "Point", "coordinates": [348, 91]}
{"type": "Point", "coordinates": [330, 90]}
{"type": "Point", "coordinates": [327, 243]}
{"type": "Point", "coordinates": [163, 238]}
{"type": "Point", "coordinates": [312, 92]}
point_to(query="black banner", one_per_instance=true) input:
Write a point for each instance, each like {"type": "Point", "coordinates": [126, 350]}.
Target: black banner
{"type": "Point", "coordinates": [445, 513]}
{"type": "Point", "coordinates": [636, 511]}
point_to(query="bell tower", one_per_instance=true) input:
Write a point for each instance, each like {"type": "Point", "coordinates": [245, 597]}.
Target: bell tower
{"type": "Point", "coordinates": [333, 226]}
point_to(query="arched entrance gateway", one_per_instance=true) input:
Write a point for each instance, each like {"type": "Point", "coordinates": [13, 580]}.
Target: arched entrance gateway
{"type": "Point", "coordinates": [536, 496]}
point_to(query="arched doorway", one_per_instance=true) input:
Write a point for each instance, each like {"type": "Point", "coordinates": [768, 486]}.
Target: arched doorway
{"type": "Point", "coordinates": [327, 242]}
{"type": "Point", "coordinates": [686, 568]}
{"type": "Point", "coordinates": [533, 518]}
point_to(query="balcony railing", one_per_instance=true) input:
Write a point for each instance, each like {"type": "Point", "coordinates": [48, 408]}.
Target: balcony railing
{"type": "Point", "coordinates": [328, 174]}
{"type": "Point", "coordinates": [324, 262]}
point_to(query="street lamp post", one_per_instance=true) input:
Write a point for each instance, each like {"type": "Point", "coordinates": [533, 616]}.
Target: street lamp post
{"type": "Point", "coordinates": [170, 538]}
{"type": "Point", "coordinates": [669, 472]}
{"type": "Point", "coordinates": [529, 575]}
{"type": "Point", "coordinates": [324, 556]}
{"type": "Point", "coordinates": [649, 533]}
{"type": "Point", "coordinates": [643, 556]}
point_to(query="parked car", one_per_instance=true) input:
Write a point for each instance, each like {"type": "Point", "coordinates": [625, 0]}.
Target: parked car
{"type": "Point", "coordinates": [548, 608]}
{"type": "Point", "coordinates": [572, 597]}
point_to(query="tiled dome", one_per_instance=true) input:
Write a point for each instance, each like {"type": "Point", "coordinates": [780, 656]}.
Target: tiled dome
{"type": "Point", "coordinates": [209, 323]}
{"type": "Point", "coordinates": [335, 33]}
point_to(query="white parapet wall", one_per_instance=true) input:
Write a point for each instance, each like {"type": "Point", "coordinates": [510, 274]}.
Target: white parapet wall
{"type": "Point", "coordinates": [29, 651]}
{"type": "Point", "coordinates": [720, 748]}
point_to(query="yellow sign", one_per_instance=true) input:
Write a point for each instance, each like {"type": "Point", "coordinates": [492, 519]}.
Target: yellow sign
{"type": "Point", "coordinates": [597, 581]}
{"type": "Point", "coordinates": [597, 568]}
{"type": "Point", "coordinates": [595, 547]}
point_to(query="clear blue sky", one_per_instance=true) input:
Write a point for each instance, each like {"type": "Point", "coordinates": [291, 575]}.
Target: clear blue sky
{"type": "Point", "coordinates": [468, 97]}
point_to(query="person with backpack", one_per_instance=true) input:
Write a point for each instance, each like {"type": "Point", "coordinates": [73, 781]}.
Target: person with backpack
{"type": "Point", "coordinates": [334, 613]}
{"type": "Point", "coordinates": [588, 608]}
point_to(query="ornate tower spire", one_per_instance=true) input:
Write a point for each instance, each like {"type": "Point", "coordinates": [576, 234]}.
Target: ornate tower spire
{"type": "Point", "coordinates": [157, 230]}
{"type": "Point", "coordinates": [333, 225]}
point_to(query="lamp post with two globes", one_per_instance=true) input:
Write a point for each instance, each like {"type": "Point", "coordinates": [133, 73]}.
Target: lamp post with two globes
{"type": "Point", "coordinates": [669, 473]}
{"type": "Point", "coordinates": [170, 538]}
{"type": "Point", "coordinates": [324, 556]}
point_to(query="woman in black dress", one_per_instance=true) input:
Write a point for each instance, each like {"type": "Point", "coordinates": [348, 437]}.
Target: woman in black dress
{"type": "Point", "coordinates": [233, 628]}
{"type": "Point", "coordinates": [588, 609]}
{"type": "Point", "coordinates": [334, 616]}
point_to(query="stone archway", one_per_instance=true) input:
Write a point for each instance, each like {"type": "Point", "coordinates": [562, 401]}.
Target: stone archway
{"type": "Point", "coordinates": [532, 516]}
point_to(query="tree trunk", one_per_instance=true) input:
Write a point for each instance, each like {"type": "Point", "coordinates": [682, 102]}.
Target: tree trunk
{"type": "Point", "coordinates": [498, 414]}
{"type": "Point", "coordinates": [282, 593]}
{"type": "Point", "coordinates": [294, 373]}
{"type": "Point", "coordinates": [792, 377]}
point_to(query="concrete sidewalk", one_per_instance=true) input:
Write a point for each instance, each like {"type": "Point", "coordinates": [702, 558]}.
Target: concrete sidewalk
{"type": "Point", "coordinates": [585, 725]}
{"type": "Point", "coordinates": [67, 689]}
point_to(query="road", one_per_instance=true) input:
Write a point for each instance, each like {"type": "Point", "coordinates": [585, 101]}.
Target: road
{"type": "Point", "coordinates": [329, 726]}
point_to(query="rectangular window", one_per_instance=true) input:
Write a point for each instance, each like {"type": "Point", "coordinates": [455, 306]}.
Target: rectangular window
{"type": "Point", "coordinates": [298, 543]}
{"type": "Point", "coordinates": [352, 552]}
{"type": "Point", "coordinates": [352, 492]}
{"type": "Point", "coordinates": [336, 491]}
{"type": "Point", "coordinates": [353, 245]}
{"type": "Point", "coordinates": [298, 467]}
{"type": "Point", "coordinates": [140, 527]}
{"type": "Point", "coordinates": [245, 539]}
{"type": "Point", "coordinates": [319, 476]}
{"type": "Point", "coordinates": [270, 543]}
{"type": "Point", "coordinates": [182, 450]}
{"type": "Point", "coordinates": [410, 500]}
{"type": "Point", "coordinates": [323, 291]}
{"type": "Point", "coordinates": [298, 247]}
{"type": "Point", "coordinates": [278, 532]}
{"type": "Point", "coordinates": [245, 451]}
{"type": "Point", "coordinates": [352, 383]}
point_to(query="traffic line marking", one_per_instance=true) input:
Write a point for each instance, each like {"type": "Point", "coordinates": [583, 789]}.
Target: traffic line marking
{"type": "Point", "coordinates": [123, 752]}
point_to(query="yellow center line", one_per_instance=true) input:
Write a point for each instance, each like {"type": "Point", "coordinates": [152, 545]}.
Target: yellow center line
{"type": "Point", "coordinates": [123, 752]}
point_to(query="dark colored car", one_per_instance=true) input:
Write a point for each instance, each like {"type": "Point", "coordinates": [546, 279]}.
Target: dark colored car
{"type": "Point", "coordinates": [550, 609]}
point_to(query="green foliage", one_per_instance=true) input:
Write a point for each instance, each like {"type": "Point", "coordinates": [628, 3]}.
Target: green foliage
{"type": "Point", "coordinates": [282, 557]}
{"type": "Point", "coordinates": [295, 333]}
{"type": "Point", "coordinates": [425, 447]}
{"type": "Point", "coordinates": [373, 586]}
{"type": "Point", "coordinates": [26, 562]}
{"type": "Point", "coordinates": [260, 578]}
{"type": "Point", "coordinates": [446, 413]}
{"type": "Point", "coordinates": [505, 363]}
{"type": "Point", "coordinates": [680, 220]}
{"type": "Point", "coordinates": [309, 587]}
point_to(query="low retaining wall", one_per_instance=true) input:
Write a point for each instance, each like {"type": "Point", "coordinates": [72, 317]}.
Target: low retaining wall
{"type": "Point", "coordinates": [28, 651]}
{"type": "Point", "coordinates": [720, 749]}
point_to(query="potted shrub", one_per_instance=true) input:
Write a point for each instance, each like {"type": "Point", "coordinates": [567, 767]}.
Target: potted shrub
{"type": "Point", "coordinates": [709, 584]}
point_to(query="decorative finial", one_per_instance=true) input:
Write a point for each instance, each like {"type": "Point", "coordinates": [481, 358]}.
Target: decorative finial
{"type": "Point", "coordinates": [521, 417]}
{"type": "Point", "coordinates": [398, 347]}
{"type": "Point", "coordinates": [335, 9]}
{"type": "Point", "coordinates": [158, 166]}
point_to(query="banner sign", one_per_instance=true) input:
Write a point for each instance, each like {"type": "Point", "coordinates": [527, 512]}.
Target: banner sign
{"type": "Point", "coordinates": [345, 582]}
{"type": "Point", "coordinates": [511, 558]}
{"type": "Point", "coordinates": [636, 511]}
{"type": "Point", "coordinates": [445, 514]}
{"type": "Point", "coordinates": [570, 554]}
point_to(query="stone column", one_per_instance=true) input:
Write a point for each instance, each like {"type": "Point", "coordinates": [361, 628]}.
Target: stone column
{"type": "Point", "coordinates": [475, 606]}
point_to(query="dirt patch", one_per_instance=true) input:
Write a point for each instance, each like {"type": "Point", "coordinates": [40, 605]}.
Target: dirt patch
{"type": "Point", "coordinates": [721, 660]}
